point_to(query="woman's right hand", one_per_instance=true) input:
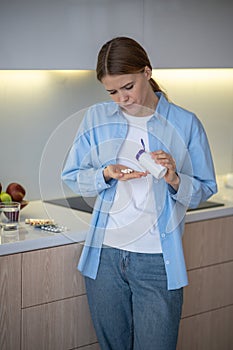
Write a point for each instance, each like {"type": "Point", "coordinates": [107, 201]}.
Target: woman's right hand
{"type": "Point", "coordinates": [114, 171]}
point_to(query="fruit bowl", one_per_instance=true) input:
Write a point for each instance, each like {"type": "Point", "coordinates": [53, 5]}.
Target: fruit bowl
{"type": "Point", "coordinates": [23, 204]}
{"type": "Point", "coordinates": [14, 193]}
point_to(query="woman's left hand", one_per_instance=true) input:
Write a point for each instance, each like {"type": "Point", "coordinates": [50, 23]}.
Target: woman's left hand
{"type": "Point", "coordinates": [168, 161]}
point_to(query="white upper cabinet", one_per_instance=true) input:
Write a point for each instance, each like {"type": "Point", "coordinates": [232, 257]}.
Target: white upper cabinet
{"type": "Point", "coordinates": [67, 34]}
{"type": "Point", "coordinates": [63, 34]}
{"type": "Point", "coordinates": [187, 34]}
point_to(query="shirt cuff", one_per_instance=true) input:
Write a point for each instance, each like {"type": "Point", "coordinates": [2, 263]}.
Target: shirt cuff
{"type": "Point", "coordinates": [184, 193]}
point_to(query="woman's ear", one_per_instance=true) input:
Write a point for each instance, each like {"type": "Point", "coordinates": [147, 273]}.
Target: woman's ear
{"type": "Point", "coordinates": [148, 72]}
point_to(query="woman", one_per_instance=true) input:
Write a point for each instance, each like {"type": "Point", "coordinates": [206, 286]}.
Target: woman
{"type": "Point", "coordinates": [133, 259]}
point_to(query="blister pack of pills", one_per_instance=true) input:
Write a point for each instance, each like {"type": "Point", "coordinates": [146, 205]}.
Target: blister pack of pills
{"type": "Point", "coordinates": [51, 228]}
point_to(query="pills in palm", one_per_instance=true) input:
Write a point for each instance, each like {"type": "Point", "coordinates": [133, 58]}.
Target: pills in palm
{"type": "Point", "coordinates": [127, 171]}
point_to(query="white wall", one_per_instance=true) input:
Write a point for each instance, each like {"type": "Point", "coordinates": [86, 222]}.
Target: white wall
{"type": "Point", "coordinates": [35, 104]}
{"type": "Point", "coordinates": [32, 106]}
{"type": "Point", "coordinates": [209, 94]}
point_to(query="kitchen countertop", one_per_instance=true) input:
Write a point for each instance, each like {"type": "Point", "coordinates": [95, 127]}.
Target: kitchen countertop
{"type": "Point", "coordinates": [76, 223]}
{"type": "Point", "coordinates": [27, 237]}
{"type": "Point", "coordinates": [224, 195]}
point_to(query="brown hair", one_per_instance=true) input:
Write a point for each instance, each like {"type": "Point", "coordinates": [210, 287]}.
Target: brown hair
{"type": "Point", "coordinates": [123, 55]}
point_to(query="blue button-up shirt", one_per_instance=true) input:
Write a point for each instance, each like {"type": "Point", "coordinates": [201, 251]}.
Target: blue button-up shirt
{"type": "Point", "coordinates": [171, 128]}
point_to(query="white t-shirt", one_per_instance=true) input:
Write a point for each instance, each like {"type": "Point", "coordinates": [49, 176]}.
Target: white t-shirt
{"type": "Point", "coordinates": [132, 219]}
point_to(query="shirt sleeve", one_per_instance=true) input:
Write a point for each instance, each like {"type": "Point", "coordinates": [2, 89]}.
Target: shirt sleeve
{"type": "Point", "coordinates": [82, 173]}
{"type": "Point", "coordinates": [199, 182]}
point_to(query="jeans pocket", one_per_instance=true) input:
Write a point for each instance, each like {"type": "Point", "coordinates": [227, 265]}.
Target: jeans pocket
{"type": "Point", "coordinates": [150, 267]}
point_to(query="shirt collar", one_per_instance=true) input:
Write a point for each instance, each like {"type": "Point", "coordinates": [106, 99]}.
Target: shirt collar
{"type": "Point", "coordinates": [161, 110]}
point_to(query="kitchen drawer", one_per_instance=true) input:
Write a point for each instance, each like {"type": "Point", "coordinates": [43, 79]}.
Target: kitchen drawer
{"type": "Point", "coordinates": [208, 242]}
{"type": "Point", "coordinates": [60, 325]}
{"type": "Point", "coordinates": [208, 331]}
{"type": "Point", "coordinates": [51, 274]}
{"type": "Point", "coordinates": [209, 288]}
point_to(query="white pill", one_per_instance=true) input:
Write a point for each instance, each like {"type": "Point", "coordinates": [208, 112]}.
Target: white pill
{"type": "Point", "coordinates": [127, 171]}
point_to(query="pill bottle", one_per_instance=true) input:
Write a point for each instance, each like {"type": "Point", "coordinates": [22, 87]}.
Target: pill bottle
{"type": "Point", "coordinates": [145, 160]}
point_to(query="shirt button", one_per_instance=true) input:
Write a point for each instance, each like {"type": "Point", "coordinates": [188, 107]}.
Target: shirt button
{"type": "Point", "coordinates": [151, 128]}
{"type": "Point", "coordinates": [162, 235]}
{"type": "Point", "coordinates": [99, 185]}
{"type": "Point", "coordinates": [167, 262]}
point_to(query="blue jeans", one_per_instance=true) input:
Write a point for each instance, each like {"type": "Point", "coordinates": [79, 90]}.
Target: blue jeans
{"type": "Point", "coordinates": [130, 305]}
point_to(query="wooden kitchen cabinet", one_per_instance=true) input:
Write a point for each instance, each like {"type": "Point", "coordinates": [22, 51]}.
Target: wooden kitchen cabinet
{"type": "Point", "coordinates": [10, 302]}
{"type": "Point", "coordinates": [208, 331]}
{"type": "Point", "coordinates": [208, 242]}
{"type": "Point", "coordinates": [60, 325]}
{"type": "Point", "coordinates": [55, 314]}
{"type": "Point", "coordinates": [207, 314]}
{"type": "Point", "coordinates": [44, 305]}
{"type": "Point", "coordinates": [57, 293]}
{"type": "Point", "coordinates": [51, 274]}
{"type": "Point", "coordinates": [210, 288]}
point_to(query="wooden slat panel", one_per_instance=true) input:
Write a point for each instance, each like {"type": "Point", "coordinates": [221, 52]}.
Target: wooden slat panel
{"type": "Point", "coordinates": [60, 325]}
{"type": "Point", "coordinates": [208, 331]}
{"type": "Point", "coordinates": [10, 302]}
{"type": "Point", "coordinates": [208, 242]}
{"type": "Point", "coordinates": [209, 288]}
{"type": "Point", "coordinates": [51, 274]}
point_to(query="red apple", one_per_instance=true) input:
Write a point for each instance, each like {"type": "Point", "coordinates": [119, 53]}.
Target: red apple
{"type": "Point", "coordinates": [16, 191]}
{"type": "Point", "coordinates": [17, 196]}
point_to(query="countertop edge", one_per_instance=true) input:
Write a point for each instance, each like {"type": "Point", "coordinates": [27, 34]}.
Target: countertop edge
{"type": "Point", "coordinates": [42, 243]}
{"type": "Point", "coordinates": [207, 214]}
{"type": "Point", "coordinates": [74, 235]}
